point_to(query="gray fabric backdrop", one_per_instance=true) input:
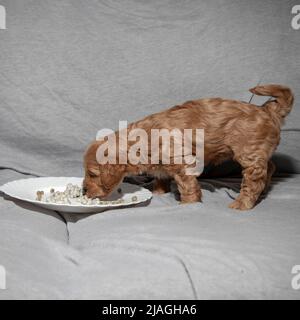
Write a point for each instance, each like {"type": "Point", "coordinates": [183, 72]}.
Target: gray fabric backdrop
{"type": "Point", "coordinates": [69, 68]}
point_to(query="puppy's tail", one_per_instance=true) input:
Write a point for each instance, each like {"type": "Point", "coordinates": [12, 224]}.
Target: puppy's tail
{"type": "Point", "coordinates": [284, 98]}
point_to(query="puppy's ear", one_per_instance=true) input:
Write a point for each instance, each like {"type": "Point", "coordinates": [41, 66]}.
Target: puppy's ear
{"type": "Point", "coordinates": [93, 170]}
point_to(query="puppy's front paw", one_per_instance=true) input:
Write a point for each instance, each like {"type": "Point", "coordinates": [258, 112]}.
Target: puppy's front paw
{"type": "Point", "coordinates": [160, 191]}
{"type": "Point", "coordinates": [241, 204]}
{"type": "Point", "coordinates": [161, 186]}
{"type": "Point", "coordinates": [196, 197]}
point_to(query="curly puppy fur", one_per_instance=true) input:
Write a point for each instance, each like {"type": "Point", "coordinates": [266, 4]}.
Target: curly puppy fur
{"type": "Point", "coordinates": [241, 131]}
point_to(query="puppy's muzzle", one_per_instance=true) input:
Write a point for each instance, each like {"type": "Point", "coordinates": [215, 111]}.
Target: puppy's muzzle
{"type": "Point", "coordinates": [84, 190]}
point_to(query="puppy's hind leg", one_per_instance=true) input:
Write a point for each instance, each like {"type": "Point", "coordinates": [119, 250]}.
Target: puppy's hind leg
{"type": "Point", "coordinates": [254, 181]}
{"type": "Point", "coordinates": [270, 172]}
{"type": "Point", "coordinates": [189, 188]}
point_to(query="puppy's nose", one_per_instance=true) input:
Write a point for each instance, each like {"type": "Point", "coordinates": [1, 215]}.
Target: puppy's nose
{"type": "Point", "coordinates": [84, 190]}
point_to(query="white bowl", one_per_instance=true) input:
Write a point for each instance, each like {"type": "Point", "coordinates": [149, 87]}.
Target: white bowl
{"type": "Point", "coordinates": [25, 189]}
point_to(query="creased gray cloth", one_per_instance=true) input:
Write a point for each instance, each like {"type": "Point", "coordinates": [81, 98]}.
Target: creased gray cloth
{"type": "Point", "coordinates": [160, 251]}
{"type": "Point", "coordinates": [70, 68]}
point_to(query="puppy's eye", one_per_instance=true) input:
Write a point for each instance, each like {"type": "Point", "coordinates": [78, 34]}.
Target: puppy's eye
{"type": "Point", "coordinates": [92, 174]}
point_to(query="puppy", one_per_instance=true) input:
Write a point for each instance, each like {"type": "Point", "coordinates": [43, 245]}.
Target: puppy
{"type": "Point", "coordinates": [236, 130]}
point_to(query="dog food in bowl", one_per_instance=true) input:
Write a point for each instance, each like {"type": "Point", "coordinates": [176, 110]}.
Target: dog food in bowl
{"type": "Point", "coordinates": [71, 193]}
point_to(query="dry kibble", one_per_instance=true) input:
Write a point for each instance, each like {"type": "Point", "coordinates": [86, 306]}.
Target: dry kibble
{"type": "Point", "coordinates": [74, 192]}
{"type": "Point", "coordinates": [83, 201]}
{"type": "Point", "coordinates": [39, 195]}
